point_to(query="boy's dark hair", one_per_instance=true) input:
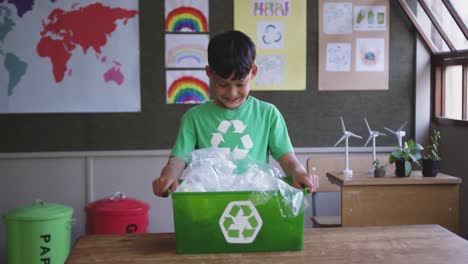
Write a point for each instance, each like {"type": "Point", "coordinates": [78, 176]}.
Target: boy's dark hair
{"type": "Point", "coordinates": [231, 52]}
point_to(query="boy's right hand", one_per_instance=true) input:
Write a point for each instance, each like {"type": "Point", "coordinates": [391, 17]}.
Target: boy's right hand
{"type": "Point", "coordinates": [162, 185]}
{"type": "Point", "coordinates": [168, 178]}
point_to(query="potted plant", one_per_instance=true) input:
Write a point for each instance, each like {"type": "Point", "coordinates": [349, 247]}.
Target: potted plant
{"type": "Point", "coordinates": [430, 162]}
{"type": "Point", "coordinates": [404, 156]}
{"type": "Point", "coordinates": [379, 169]}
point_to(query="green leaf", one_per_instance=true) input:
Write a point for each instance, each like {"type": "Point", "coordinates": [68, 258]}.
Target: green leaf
{"type": "Point", "coordinates": [397, 154]}
{"type": "Point", "coordinates": [418, 147]}
{"type": "Point", "coordinates": [415, 156]}
{"type": "Point", "coordinates": [407, 168]}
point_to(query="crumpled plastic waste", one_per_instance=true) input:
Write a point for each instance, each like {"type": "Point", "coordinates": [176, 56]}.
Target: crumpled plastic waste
{"type": "Point", "coordinates": [215, 170]}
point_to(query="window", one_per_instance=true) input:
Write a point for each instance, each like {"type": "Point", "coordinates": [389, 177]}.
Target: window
{"type": "Point", "coordinates": [450, 86]}
{"type": "Point", "coordinates": [460, 6]}
{"type": "Point", "coordinates": [453, 92]}
{"type": "Point", "coordinates": [442, 24]}
{"type": "Point", "coordinates": [448, 24]}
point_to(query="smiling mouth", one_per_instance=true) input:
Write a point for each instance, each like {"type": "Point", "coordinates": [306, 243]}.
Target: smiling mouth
{"type": "Point", "coordinates": [232, 100]}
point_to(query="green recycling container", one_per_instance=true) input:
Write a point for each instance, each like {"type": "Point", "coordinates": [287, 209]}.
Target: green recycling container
{"type": "Point", "coordinates": [39, 233]}
{"type": "Point", "coordinates": [225, 222]}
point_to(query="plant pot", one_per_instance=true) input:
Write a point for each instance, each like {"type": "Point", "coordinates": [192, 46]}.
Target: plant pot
{"type": "Point", "coordinates": [430, 167]}
{"type": "Point", "coordinates": [400, 169]}
{"type": "Point", "coordinates": [379, 172]}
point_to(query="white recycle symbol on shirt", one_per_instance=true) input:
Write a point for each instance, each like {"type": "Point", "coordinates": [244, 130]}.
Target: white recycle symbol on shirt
{"type": "Point", "coordinates": [239, 128]}
{"type": "Point", "coordinates": [240, 222]}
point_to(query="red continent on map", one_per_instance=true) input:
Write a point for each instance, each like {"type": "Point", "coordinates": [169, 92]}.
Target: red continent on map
{"type": "Point", "coordinates": [88, 27]}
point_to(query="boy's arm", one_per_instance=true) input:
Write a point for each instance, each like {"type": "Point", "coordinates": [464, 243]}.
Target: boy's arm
{"type": "Point", "coordinates": [292, 167]}
{"type": "Point", "coordinates": [169, 176]}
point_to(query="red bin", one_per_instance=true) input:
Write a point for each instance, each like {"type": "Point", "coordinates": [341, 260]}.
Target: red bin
{"type": "Point", "coordinates": [117, 214]}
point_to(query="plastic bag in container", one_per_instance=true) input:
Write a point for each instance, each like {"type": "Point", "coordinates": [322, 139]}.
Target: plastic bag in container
{"type": "Point", "coordinates": [215, 170]}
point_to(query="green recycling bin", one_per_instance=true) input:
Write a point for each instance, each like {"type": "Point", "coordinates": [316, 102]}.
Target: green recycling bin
{"type": "Point", "coordinates": [225, 222]}
{"type": "Point", "coordinates": [39, 233]}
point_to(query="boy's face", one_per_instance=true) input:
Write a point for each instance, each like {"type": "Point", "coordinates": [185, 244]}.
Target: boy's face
{"type": "Point", "coordinates": [230, 93]}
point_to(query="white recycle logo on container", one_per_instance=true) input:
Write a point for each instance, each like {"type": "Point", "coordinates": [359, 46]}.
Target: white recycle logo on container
{"type": "Point", "coordinates": [239, 128]}
{"type": "Point", "coordinates": [240, 222]}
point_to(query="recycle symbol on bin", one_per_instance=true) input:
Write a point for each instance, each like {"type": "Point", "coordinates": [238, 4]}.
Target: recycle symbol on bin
{"type": "Point", "coordinates": [240, 151]}
{"type": "Point", "coordinates": [240, 222]}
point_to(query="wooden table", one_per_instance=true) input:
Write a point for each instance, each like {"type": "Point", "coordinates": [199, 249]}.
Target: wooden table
{"type": "Point", "coordinates": [389, 244]}
{"type": "Point", "coordinates": [391, 200]}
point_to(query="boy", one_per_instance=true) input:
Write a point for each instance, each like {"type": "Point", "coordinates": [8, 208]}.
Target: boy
{"type": "Point", "coordinates": [234, 120]}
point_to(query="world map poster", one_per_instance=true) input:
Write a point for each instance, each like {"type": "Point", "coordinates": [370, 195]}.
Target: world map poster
{"type": "Point", "coordinates": [61, 56]}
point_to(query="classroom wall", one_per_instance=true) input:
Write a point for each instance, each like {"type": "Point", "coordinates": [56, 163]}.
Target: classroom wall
{"type": "Point", "coordinates": [312, 117]}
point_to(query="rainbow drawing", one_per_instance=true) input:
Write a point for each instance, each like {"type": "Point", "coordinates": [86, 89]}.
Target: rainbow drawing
{"type": "Point", "coordinates": [187, 56]}
{"type": "Point", "coordinates": [186, 19]}
{"type": "Point", "coordinates": [188, 90]}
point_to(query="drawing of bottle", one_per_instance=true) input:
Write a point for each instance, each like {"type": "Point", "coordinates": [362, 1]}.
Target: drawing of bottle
{"type": "Point", "coordinates": [380, 18]}
{"type": "Point", "coordinates": [370, 17]}
{"type": "Point", "coordinates": [360, 16]}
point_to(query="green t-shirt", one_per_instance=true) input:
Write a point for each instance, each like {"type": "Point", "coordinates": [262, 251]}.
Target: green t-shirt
{"type": "Point", "coordinates": [253, 129]}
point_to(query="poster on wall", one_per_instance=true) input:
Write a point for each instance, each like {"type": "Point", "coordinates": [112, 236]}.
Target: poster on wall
{"type": "Point", "coordinates": [54, 59]}
{"type": "Point", "coordinates": [187, 87]}
{"type": "Point", "coordinates": [186, 51]}
{"type": "Point", "coordinates": [370, 54]}
{"type": "Point", "coordinates": [186, 15]}
{"type": "Point", "coordinates": [370, 18]}
{"type": "Point", "coordinates": [338, 57]}
{"type": "Point", "coordinates": [353, 45]}
{"type": "Point", "coordinates": [337, 18]}
{"type": "Point", "coordinates": [278, 29]}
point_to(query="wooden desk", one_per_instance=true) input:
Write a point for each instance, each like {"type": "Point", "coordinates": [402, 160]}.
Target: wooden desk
{"type": "Point", "coordinates": [391, 200]}
{"type": "Point", "coordinates": [390, 244]}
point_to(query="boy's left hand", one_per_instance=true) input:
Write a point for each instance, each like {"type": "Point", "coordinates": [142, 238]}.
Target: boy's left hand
{"type": "Point", "coordinates": [309, 181]}
{"type": "Point", "coordinates": [301, 179]}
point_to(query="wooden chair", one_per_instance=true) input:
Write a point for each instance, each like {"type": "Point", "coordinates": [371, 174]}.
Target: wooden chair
{"type": "Point", "coordinates": [324, 163]}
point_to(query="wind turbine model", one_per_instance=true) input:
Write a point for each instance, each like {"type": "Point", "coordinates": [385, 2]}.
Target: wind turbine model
{"type": "Point", "coordinates": [372, 135]}
{"type": "Point", "coordinates": [346, 135]}
{"type": "Point", "coordinates": [399, 133]}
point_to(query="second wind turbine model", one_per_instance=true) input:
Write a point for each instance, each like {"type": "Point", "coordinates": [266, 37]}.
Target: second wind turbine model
{"type": "Point", "coordinates": [372, 135]}
{"type": "Point", "coordinates": [346, 135]}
